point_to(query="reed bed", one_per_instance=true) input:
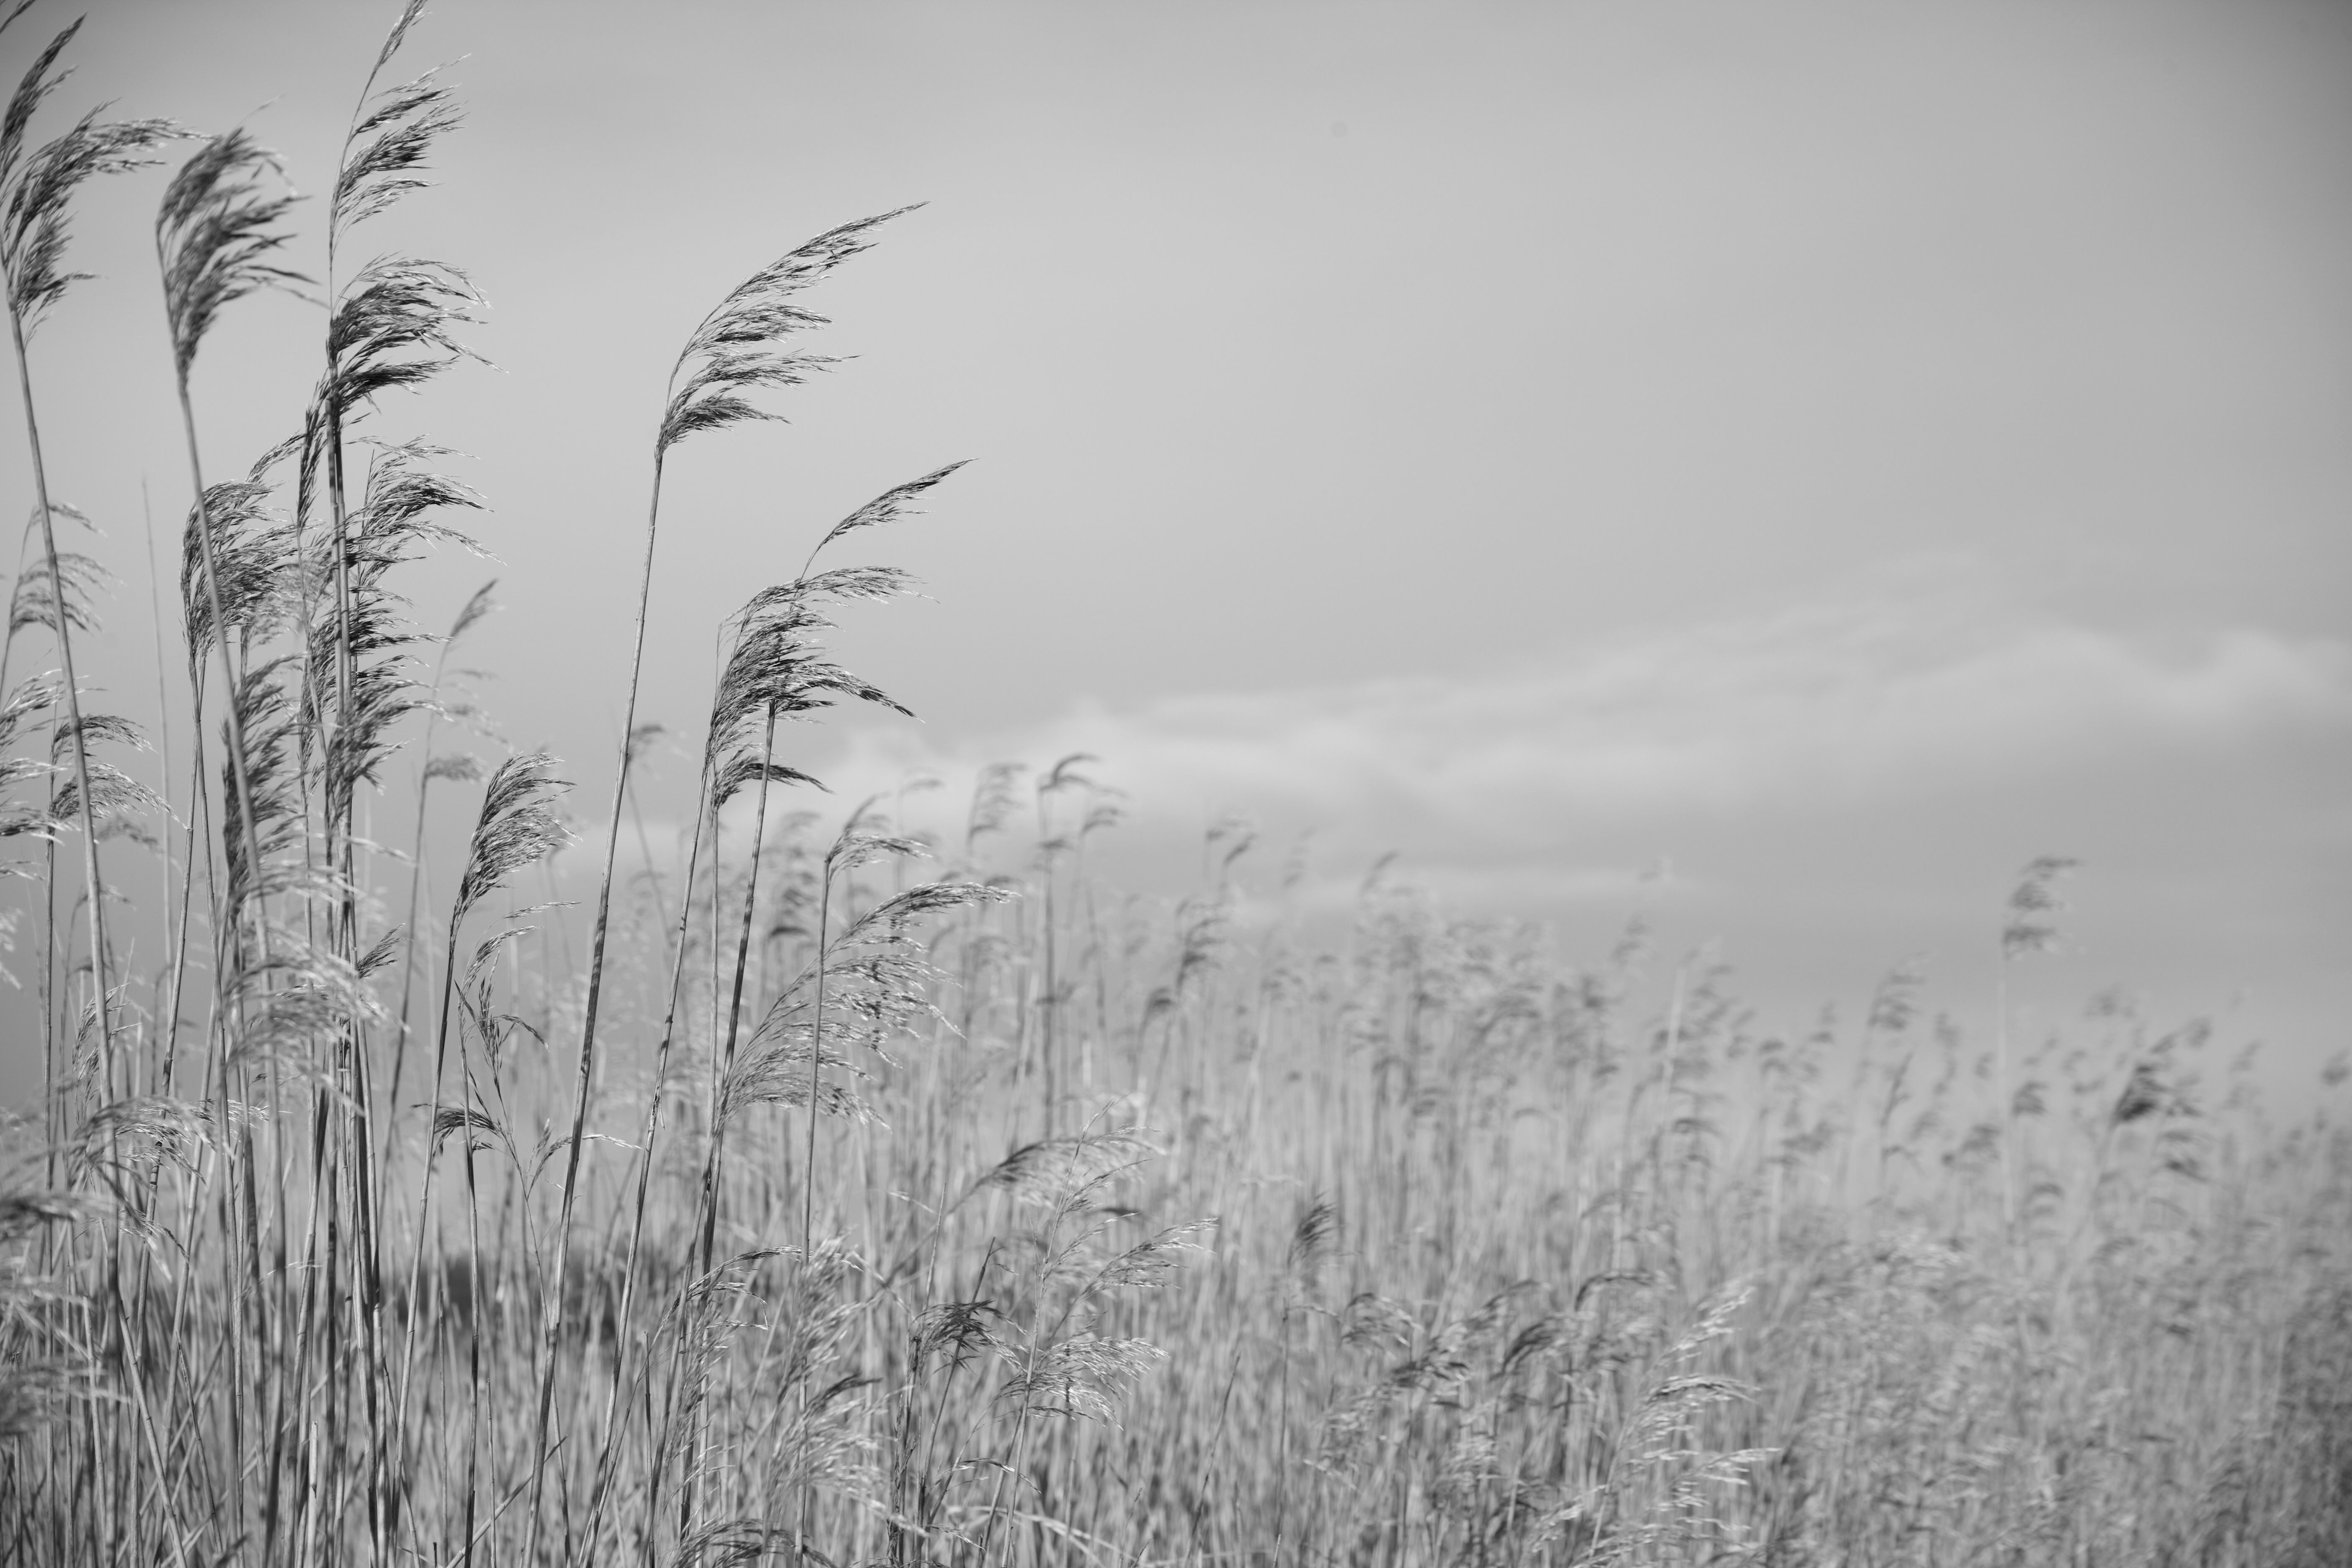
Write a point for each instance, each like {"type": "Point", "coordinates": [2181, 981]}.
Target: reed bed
{"type": "Point", "coordinates": [877, 1190]}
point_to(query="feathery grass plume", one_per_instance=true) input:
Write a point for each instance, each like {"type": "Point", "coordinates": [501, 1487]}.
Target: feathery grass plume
{"type": "Point", "coordinates": [2029, 928]}
{"type": "Point", "coordinates": [293, 997]}
{"type": "Point", "coordinates": [215, 231]}
{"type": "Point", "coordinates": [1081, 1376]}
{"type": "Point", "coordinates": [118, 799]}
{"type": "Point", "coordinates": [786, 1063]}
{"type": "Point", "coordinates": [369, 633]}
{"type": "Point", "coordinates": [1372, 1322]}
{"type": "Point", "coordinates": [1052, 1171]}
{"type": "Point", "coordinates": [732, 350]}
{"type": "Point", "coordinates": [483, 1131]}
{"type": "Point", "coordinates": [214, 235]}
{"type": "Point", "coordinates": [1065, 774]}
{"type": "Point", "coordinates": [393, 329]}
{"type": "Point", "coordinates": [1105, 811]}
{"type": "Point", "coordinates": [37, 190]}
{"type": "Point", "coordinates": [389, 139]}
{"type": "Point", "coordinates": [957, 1332]}
{"type": "Point", "coordinates": [1311, 1243]}
{"type": "Point", "coordinates": [263, 811]}
{"type": "Point", "coordinates": [735, 350]}
{"type": "Point", "coordinates": [21, 817]}
{"type": "Point", "coordinates": [886, 507]}
{"type": "Point", "coordinates": [993, 802]}
{"type": "Point", "coordinates": [478, 606]}
{"type": "Point", "coordinates": [1151, 1264]}
{"type": "Point", "coordinates": [880, 985]}
{"type": "Point", "coordinates": [253, 573]}
{"type": "Point", "coordinates": [740, 772]}
{"type": "Point", "coordinates": [494, 1028]}
{"type": "Point", "coordinates": [59, 601]}
{"type": "Point", "coordinates": [398, 130]}
{"type": "Point", "coordinates": [519, 825]}
{"type": "Point", "coordinates": [775, 672]}
{"type": "Point", "coordinates": [125, 1141]}
{"type": "Point", "coordinates": [457, 767]}
{"type": "Point", "coordinates": [888, 923]}
{"type": "Point", "coordinates": [2144, 1094]}
{"type": "Point", "coordinates": [1895, 1003]}
{"type": "Point", "coordinates": [33, 695]}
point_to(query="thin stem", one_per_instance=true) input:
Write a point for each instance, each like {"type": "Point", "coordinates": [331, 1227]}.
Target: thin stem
{"type": "Point", "coordinates": [233, 712]}
{"type": "Point", "coordinates": [552, 1324]}
{"type": "Point", "coordinates": [73, 693]}
{"type": "Point", "coordinates": [808, 1182]}
{"type": "Point", "coordinates": [172, 933]}
{"type": "Point", "coordinates": [606, 1455]}
{"type": "Point", "coordinates": [711, 1173]}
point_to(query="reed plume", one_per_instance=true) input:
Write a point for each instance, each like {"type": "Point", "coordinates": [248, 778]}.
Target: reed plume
{"type": "Point", "coordinates": [37, 190]}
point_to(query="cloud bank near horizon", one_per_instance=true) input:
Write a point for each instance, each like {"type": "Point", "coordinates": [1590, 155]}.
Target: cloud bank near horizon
{"type": "Point", "coordinates": [1823, 791]}
{"type": "Point", "coordinates": [1853, 710]}
{"type": "Point", "coordinates": [1826, 789]}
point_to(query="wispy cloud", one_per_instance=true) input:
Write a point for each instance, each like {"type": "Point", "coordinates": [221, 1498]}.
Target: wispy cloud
{"type": "Point", "coordinates": [1834, 786]}
{"type": "Point", "coordinates": [1859, 706]}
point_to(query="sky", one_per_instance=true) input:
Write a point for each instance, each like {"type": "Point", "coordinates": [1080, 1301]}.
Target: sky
{"type": "Point", "coordinates": [1780, 466]}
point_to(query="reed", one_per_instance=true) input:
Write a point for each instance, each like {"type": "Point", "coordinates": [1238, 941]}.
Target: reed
{"type": "Point", "coordinates": [847, 1206]}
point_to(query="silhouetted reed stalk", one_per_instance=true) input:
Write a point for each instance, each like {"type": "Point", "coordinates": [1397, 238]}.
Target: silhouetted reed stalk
{"type": "Point", "coordinates": [775, 671]}
{"type": "Point", "coordinates": [734, 350]}
{"type": "Point", "coordinates": [36, 188]}
{"type": "Point", "coordinates": [726, 1058]}
{"type": "Point", "coordinates": [517, 825]}
{"type": "Point", "coordinates": [1050, 848]}
{"type": "Point", "coordinates": [35, 192]}
{"type": "Point", "coordinates": [429, 768]}
{"type": "Point", "coordinates": [212, 234]}
{"type": "Point", "coordinates": [391, 326]}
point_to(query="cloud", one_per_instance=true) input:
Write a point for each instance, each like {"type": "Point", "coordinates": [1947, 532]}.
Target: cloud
{"type": "Point", "coordinates": [1830, 789]}
{"type": "Point", "coordinates": [1859, 706]}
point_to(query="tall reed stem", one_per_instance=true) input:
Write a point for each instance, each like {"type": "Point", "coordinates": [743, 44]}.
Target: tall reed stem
{"type": "Point", "coordinates": [712, 1174]}
{"type": "Point", "coordinates": [552, 1323]}
{"type": "Point", "coordinates": [87, 811]}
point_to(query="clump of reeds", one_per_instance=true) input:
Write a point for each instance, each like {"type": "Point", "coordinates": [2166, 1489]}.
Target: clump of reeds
{"type": "Point", "coordinates": [829, 1211]}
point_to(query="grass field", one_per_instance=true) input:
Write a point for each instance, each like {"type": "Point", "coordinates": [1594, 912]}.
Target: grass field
{"type": "Point", "coordinates": [894, 1197]}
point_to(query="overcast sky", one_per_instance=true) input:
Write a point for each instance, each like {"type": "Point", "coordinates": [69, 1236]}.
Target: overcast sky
{"type": "Point", "coordinates": [1835, 450]}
